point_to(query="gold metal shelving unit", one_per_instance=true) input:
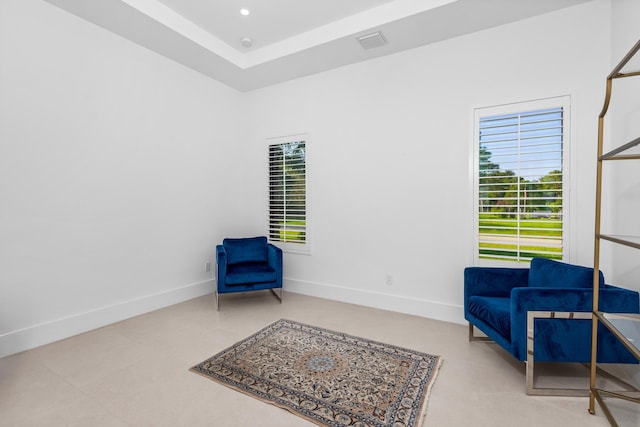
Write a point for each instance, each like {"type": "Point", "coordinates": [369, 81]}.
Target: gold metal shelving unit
{"type": "Point", "coordinates": [624, 327]}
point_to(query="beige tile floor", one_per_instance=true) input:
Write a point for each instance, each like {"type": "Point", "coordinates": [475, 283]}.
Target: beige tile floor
{"type": "Point", "coordinates": [135, 373]}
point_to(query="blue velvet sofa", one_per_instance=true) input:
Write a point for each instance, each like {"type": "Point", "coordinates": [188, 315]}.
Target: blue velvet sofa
{"type": "Point", "coordinates": [248, 264]}
{"type": "Point", "coordinates": [496, 302]}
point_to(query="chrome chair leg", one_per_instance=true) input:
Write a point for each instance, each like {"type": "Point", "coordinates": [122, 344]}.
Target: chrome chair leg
{"type": "Point", "coordinates": [472, 337]}
{"type": "Point", "coordinates": [276, 294]}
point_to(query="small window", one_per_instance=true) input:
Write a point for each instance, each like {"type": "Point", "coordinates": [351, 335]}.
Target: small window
{"type": "Point", "coordinates": [288, 213]}
{"type": "Point", "coordinates": [521, 180]}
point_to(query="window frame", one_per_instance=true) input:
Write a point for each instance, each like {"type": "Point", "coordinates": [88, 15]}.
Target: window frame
{"type": "Point", "coordinates": [290, 247]}
{"type": "Point", "coordinates": [518, 108]}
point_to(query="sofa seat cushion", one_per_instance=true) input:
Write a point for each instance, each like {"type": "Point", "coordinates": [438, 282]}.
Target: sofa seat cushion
{"type": "Point", "coordinates": [249, 272]}
{"type": "Point", "coordinates": [546, 273]}
{"type": "Point", "coordinates": [495, 311]}
{"type": "Point", "coordinates": [245, 250]}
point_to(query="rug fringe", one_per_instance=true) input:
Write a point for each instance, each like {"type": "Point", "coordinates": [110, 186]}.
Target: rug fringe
{"type": "Point", "coordinates": [423, 410]}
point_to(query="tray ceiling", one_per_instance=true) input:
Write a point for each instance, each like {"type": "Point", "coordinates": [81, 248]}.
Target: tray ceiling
{"type": "Point", "coordinates": [293, 38]}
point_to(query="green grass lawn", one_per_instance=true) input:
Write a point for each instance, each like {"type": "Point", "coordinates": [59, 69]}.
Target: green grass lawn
{"type": "Point", "coordinates": [493, 224]}
{"type": "Point", "coordinates": [539, 227]}
{"type": "Point", "coordinates": [498, 251]}
{"type": "Point", "coordinates": [295, 234]}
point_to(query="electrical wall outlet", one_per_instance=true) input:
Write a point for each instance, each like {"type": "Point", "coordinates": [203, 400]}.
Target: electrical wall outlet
{"type": "Point", "coordinates": [207, 267]}
{"type": "Point", "coordinates": [389, 280]}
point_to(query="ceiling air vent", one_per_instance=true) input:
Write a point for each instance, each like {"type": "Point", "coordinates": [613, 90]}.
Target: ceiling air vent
{"type": "Point", "coordinates": [369, 41]}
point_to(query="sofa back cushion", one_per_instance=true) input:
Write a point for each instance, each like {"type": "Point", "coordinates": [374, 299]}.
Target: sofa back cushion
{"type": "Point", "coordinates": [253, 249]}
{"type": "Point", "coordinates": [546, 273]}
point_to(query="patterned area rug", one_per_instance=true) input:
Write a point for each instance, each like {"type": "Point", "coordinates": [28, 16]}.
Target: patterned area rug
{"type": "Point", "coordinates": [327, 377]}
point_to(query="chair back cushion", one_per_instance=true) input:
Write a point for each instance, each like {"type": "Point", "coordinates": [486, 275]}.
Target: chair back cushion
{"type": "Point", "coordinates": [547, 273]}
{"type": "Point", "coordinates": [253, 249]}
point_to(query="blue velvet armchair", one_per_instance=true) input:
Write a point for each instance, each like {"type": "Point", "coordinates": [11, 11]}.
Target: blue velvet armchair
{"type": "Point", "coordinates": [248, 264]}
{"type": "Point", "coordinates": [497, 300]}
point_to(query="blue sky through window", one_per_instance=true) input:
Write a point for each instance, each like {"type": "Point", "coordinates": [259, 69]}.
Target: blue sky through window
{"type": "Point", "coordinates": [529, 143]}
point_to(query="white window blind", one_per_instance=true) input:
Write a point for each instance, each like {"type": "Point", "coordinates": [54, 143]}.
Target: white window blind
{"type": "Point", "coordinates": [521, 184]}
{"type": "Point", "coordinates": [288, 190]}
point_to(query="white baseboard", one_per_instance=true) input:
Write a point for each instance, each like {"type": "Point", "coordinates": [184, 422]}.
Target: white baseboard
{"type": "Point", "coordinates": [55, 330]}
{"type": "Point", "coordinates": [385, 301]}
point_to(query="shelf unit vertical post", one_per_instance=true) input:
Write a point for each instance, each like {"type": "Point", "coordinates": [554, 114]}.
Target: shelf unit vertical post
{"type": "Point", "coordinates": [597, 316]}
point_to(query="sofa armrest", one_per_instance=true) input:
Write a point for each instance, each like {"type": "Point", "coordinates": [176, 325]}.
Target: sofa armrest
{"type": "Point", "coordinates": [612, 299]}
{"type": "Point", "coordinates": [221, 263]}
{"type": "Point", "coordinates": [274, 258]}
{"type": "Point", "coordinates": [492, 281]}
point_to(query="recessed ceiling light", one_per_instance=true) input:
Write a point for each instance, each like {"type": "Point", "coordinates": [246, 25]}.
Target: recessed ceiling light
{"type": "Point", "coordinates": [244, 12]}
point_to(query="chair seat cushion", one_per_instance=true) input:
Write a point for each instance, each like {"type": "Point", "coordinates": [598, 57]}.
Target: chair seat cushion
{"type": "Point", "coordinates": [495, 311]}
{"type": "Point", "coordinates": [249, 272]}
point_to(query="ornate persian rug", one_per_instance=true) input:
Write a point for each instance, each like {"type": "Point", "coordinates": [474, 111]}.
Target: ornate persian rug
{"type": "Point", "coordinates": [327, 377]}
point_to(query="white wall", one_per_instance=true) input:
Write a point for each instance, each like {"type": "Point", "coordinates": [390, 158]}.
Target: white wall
{"type": "Point", "coordinates": [118, 174]}
{"type": "Point", "coordinates": [391, 154]}
{"type": "Point", "coordinates": [624, 125]}
{"type": "Point", "coordinates": [621, 179]}
{"type": "Point", "coordinates": [120, 169]}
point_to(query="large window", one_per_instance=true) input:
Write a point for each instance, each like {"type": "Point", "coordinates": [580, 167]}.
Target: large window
{"type": "Point", "coordinates": [521, 180]}
{"type": "Point", "coordinates": [288, 191]}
